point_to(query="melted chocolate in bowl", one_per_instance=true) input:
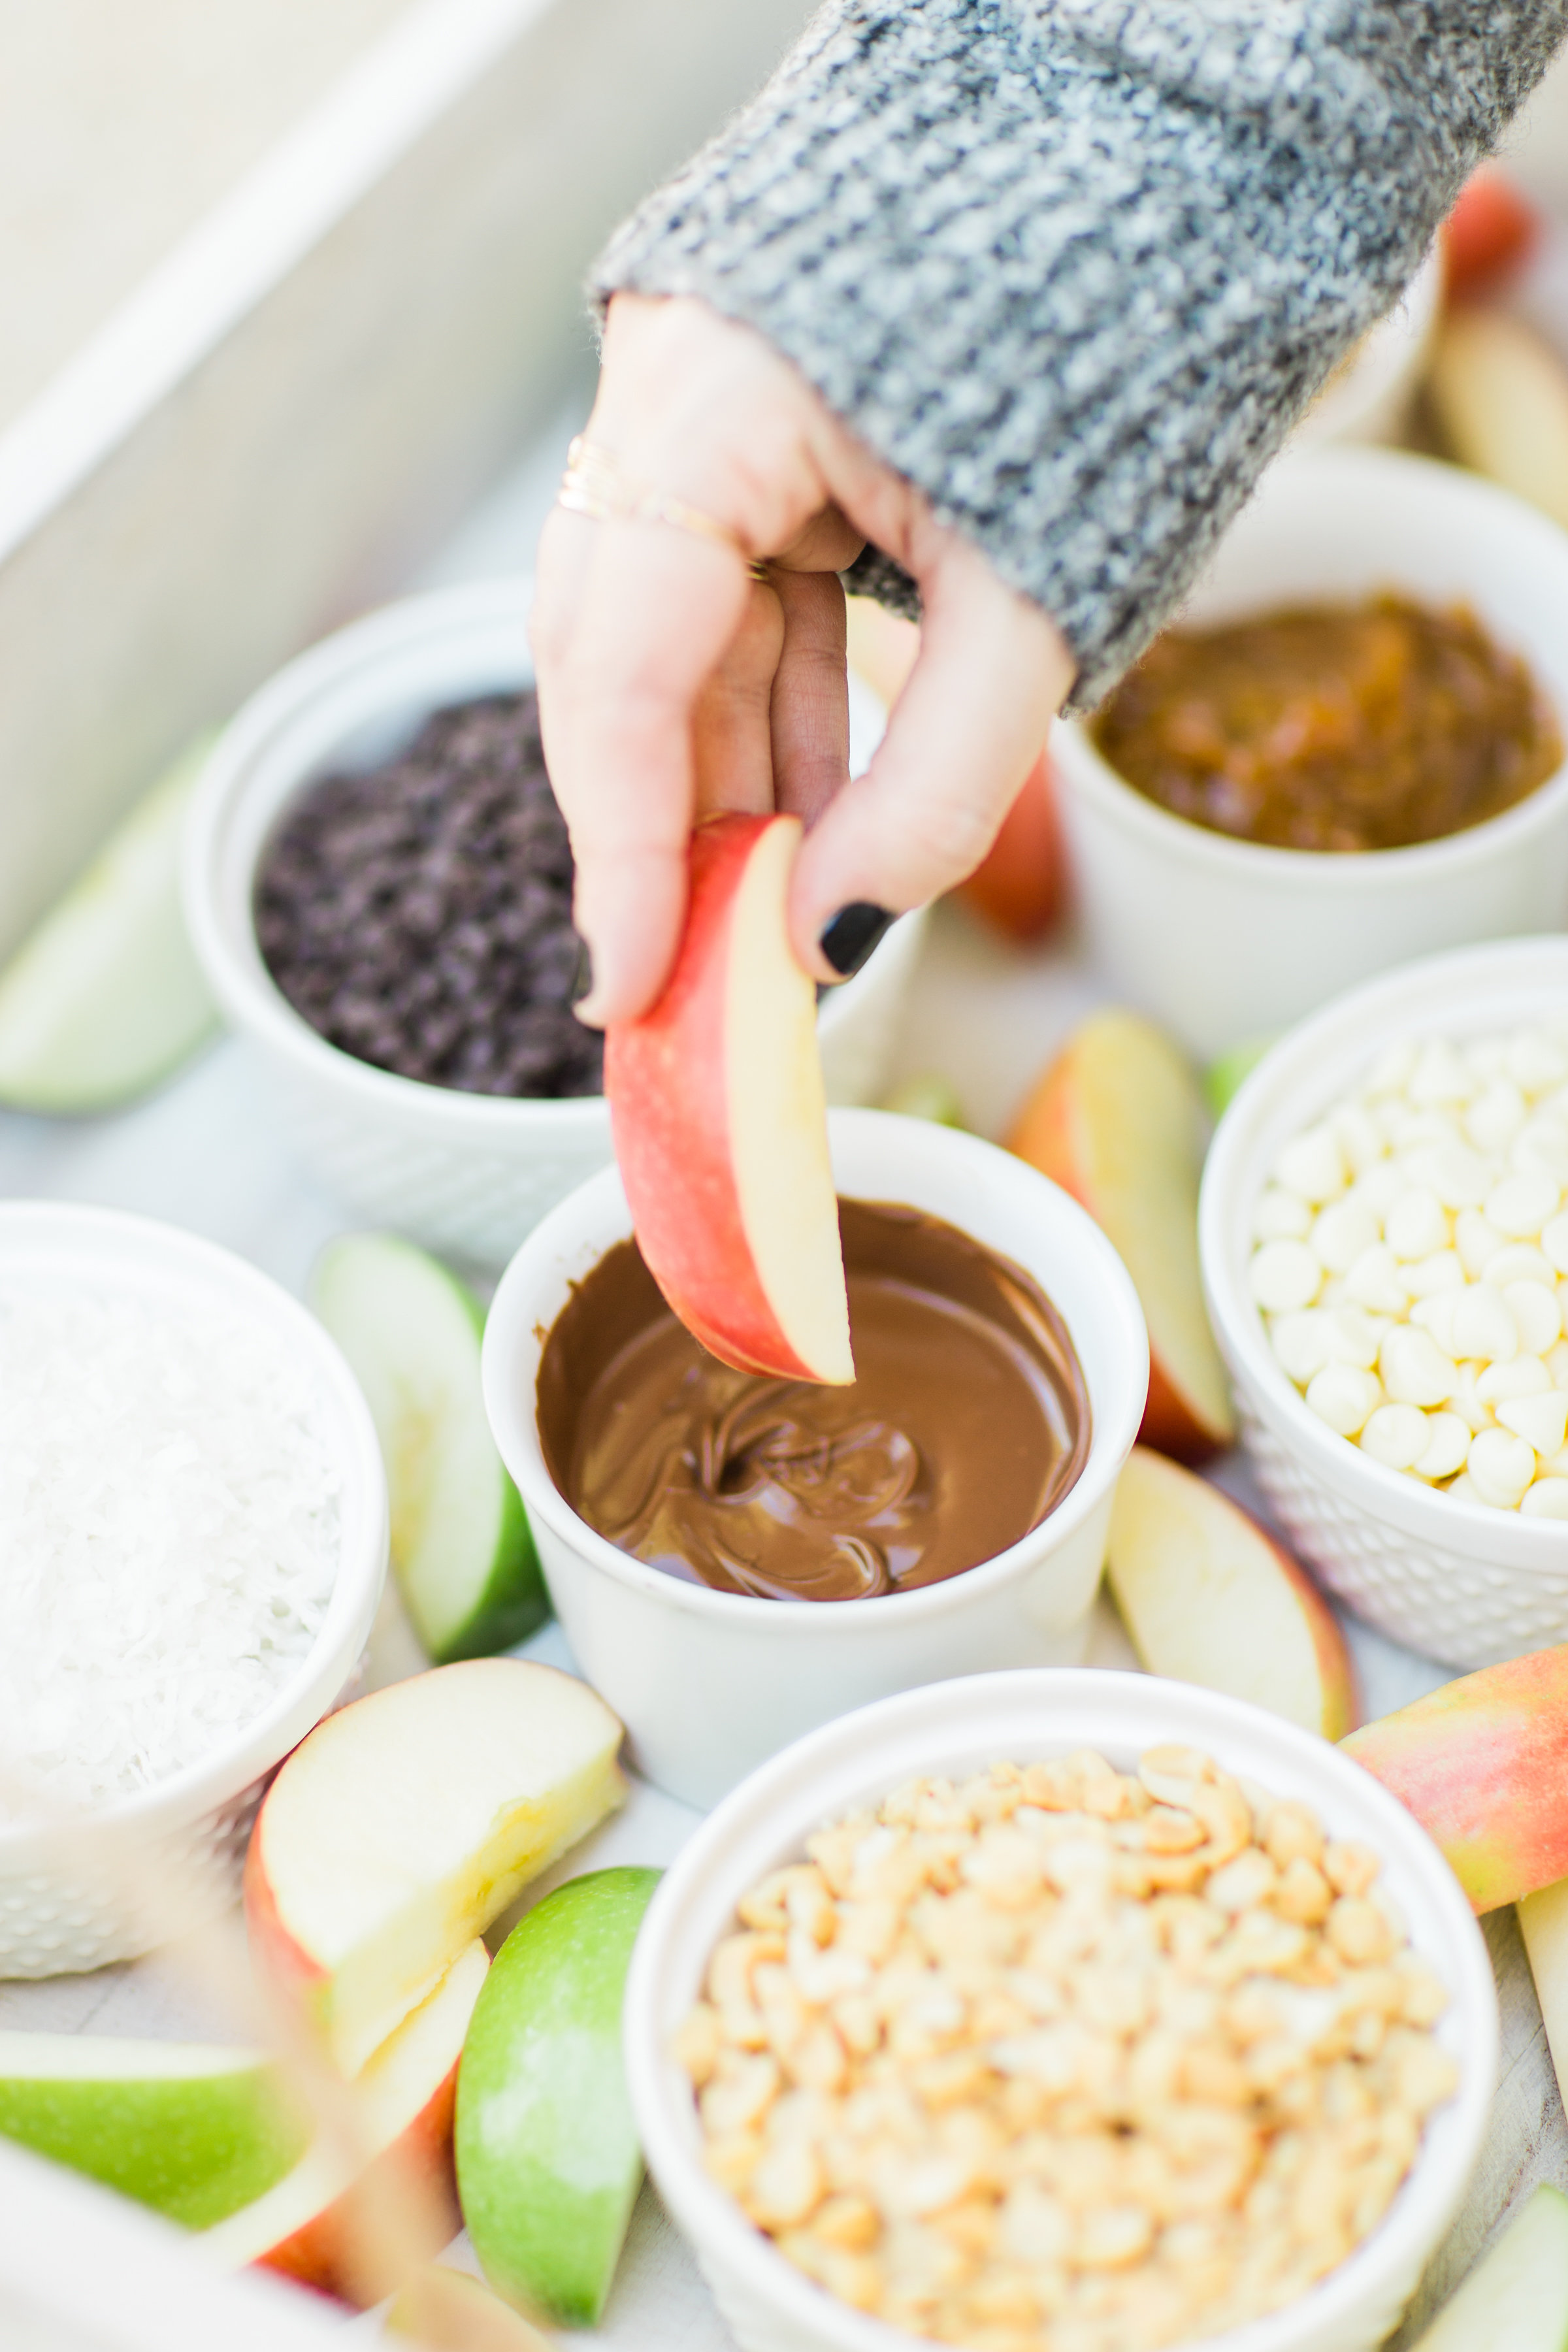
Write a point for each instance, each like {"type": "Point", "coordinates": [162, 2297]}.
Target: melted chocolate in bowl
{"type": "Point", "coordinates": [968, 1422]}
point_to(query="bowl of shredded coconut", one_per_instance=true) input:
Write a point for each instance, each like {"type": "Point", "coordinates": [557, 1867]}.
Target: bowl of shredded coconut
{"type": "Point", "coordinates": [193, 1522]}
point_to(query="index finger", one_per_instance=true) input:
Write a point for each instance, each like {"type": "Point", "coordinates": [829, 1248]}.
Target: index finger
{"type": "Point", "coordinates": [657, 611]}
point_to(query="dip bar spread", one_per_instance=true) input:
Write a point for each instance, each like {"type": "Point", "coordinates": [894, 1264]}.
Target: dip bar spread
{"type": "Point", "coordinates": [1329, 727]}
{"type": "Point", "coordinates": [967, 1422]}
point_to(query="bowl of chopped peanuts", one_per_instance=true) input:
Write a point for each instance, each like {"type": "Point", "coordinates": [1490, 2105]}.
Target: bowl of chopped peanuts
{"type": "Point", "coordinates": [1061, 2011]}
{"type": "Point", "coordinates": [1384, 1232]}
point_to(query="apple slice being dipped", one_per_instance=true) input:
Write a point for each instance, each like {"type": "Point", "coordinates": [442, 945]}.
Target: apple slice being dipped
{"type": "Point", "coordinates": [721, 1123]}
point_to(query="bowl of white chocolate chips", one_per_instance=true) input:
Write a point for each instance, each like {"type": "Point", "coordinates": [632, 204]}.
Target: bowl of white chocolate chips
{"type": "Point", "coordinates": [1385, 1236]}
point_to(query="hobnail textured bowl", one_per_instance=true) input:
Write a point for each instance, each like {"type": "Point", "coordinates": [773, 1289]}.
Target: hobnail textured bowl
{"type": "Point", "coordinates": [957, 1727]}
{"type": "Point", "coordinates": [78, 1892]}
{"type": "Point", "coordinates": [1461, 1582]}
{"type": "Point", "coordinates": [467, 1173]}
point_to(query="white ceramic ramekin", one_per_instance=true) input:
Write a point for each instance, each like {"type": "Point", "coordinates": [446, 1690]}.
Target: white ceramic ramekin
{"type": "Point", "coordinates": [1370, 398]}
{"type": "Point", "coordinates": [1223, 941]}
{"type": "Point", "coordinates": [78, 1892]}
{"type": "Point", "coordinates": [709, 1683]}
{"type": "Point", "coordinates": [956, 1729]}
{"type": "Point", "coordinates": [1461, 1582]}
{"type": "Point", "coordinates": [468, 1173]}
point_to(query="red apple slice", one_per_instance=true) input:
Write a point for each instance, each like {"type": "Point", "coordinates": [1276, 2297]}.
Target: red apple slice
{"type": "Point", "coordinates": [1021, 883]}
{"type": "Point", "coordinates": [1208, 1597]}
{"type": "Point", "coordinates": [318, 2225]}
{"type": "Point", "coordinates": [407, 1822]}
{"type": "Point", "coordinates": [721, 1125]}
{"type": "Point", "coordinates": [1482, 1764]}
{"type": "Point", "coordinates": [1118, 1121]}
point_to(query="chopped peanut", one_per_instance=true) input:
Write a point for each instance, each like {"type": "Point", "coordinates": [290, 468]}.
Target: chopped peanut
{"type": "Point", "coordinates": [1060, 2055]}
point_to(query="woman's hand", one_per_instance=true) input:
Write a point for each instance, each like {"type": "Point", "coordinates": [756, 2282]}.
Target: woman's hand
{"type": "Point", "coordinates": [672, 683]}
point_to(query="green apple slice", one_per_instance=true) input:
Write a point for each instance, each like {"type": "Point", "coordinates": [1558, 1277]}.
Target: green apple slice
{"type": "Point", "coordinates": [106, 997]}
{"type": "Point", "coordinates": [1516, 2299]}
{"type": "Point", "coordinates": [193, 2130]}
{"type": "Point", "coordinates": [461, 1546]}
{"type": "Point", "coordinates": [548, 2161]}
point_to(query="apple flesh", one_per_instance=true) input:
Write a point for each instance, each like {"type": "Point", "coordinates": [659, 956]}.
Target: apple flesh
{"type": "Point", "coordinates": [1482, 1764]}
{"type": "Point", "coordinates": [191, 2130]}
{"type": "Point", "coordinates": [1543, 1923]}
{"type": "Point", "coordinates": [404, 1823]}
{"type": "Point", "coordinates": [462, 1550]}
{"type": "Point", "coordinates": [721, 1123]}
{"type": "Point", "coordinates": [1516, 2299]}
{"type": "Point", "coordinates": [1118, 1121]}
{"type": "Point", "coordinates": [548, 2159]}
{"type": "Point", "coordinates": [1208, 1597]}
{"type": "Point", "coordinates": [449, 2311]}
{"type": "Point", "coordinates": [339, 2219]}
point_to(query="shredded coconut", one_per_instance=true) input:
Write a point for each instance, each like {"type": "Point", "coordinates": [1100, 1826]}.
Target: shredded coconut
{"type": "Point", "coordinates": [169, 1533]}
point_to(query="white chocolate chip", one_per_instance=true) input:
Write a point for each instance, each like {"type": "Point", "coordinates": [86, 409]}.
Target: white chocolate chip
{"type": "Point", "coordinates": [1358, 1137]}
{"type": "Point", "coordinates": [1282, 1216]}
{"type": "Point", "coordinates": [1521, 1376]}
{"type": "Point", "coordinates": [1391, 1072]}
{"type": "Point", "coordinates": [1342, 1396]}
{"type": "Point", "coordinates": [1463, 1400]}
{"type": "Point", "coordinates": [1354, 1337]}
{"type": "Point", "coordinates": [1520, 1205]}
{"type": "Point", "coordinates": [1284, 1275]}
{"type": "Point", "coordinates": [1374, 1281]}
{"type": "Point", "coordinates": [1535, 1061]}
{"type": "Point", "coordinates": [1521, 1262]}
{"type": "Point", "coordinates": [1483, 1327]}
{"type": "Point", "coordinates": [1379, 1189]}
{"type": "Point", "coordinates": [1440, 1076]}
{"type": "Point", "coordinates": [1396, 1435]}
{"type": "Point", "coordinates": [1435, 1314]}
{"type": "Point", "coordinates": [1535, 1311]}
{"type": "Point", "coordinates": [1448, 1445]}
{"type": "Point", "coordinates": [1546, 1499]}
{"type": "Point", "coordinates": [1476, 1241]}
{"type": "Point", "coordinates": [1415, 1369]}
{"type": "Point", "coordinates": [1423, 1277]}
{"type": "Point", "coordinates": [1542, 1148]}
{"type": "Point", "coordinates": [1313, 1165]}
{"type": "Point", "coordinates": [1495, 1116]}
{"type": "Point", "coordinates": [1301, 1342]}
{"type": "Point", "coordinates": [1457, 1177]}
{"type": "Point", "coordinates": [1500, 1466]}
{"type": "Point", "coordinates": [1541, 1421]}
{"type": "Point", "coordinates": [1342, 1230]}
{"type": "Point", "coordinates": [1416, 1224]}
{"type": "Point", "coordinates": [1554, 1241]}
{"type": "Point", "coordinates": [1464, 1489]}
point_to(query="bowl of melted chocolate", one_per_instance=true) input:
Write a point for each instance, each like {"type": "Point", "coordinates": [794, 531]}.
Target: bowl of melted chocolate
{"type": "Point", "coordinates": [967, 1421]}
{"type": "Point", "coordinates": [736, 1558]}
{"type": "Point", "coordinates": [1348, 753]}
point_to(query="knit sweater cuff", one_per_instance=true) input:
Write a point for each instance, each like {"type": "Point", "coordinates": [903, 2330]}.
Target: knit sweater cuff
{"type": "Point", "coordinates": [1073, 267]}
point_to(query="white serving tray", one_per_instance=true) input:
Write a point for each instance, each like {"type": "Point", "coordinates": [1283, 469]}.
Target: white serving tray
{"type": "Point", "coordinates": [204, 1153]}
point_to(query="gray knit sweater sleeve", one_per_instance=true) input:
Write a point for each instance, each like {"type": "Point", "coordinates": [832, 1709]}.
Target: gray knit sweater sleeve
{"type": "Point", "coordinates": [1074, 266]}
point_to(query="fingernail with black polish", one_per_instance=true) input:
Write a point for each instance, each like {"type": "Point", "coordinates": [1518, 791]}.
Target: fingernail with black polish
{"type": "Point", "coordinates": [852, 934]}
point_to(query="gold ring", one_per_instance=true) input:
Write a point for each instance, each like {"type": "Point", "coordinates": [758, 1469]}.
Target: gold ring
{"type": "Point", "coordinates": [594, 485]}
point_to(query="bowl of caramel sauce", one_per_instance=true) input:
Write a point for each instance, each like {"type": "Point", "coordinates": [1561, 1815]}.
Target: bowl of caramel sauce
{"type": "Point", "coordinates": [736, 1558]}
{"type": "Point", "coordinates": [1346, 754]}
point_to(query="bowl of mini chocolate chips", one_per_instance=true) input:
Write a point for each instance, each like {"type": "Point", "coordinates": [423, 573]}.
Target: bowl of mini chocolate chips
{"type": "Point", "coordinates": [378, 883]}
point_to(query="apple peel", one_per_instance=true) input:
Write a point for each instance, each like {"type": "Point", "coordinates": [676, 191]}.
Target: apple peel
{"type": "Point", "coordinates": [721, 1121]}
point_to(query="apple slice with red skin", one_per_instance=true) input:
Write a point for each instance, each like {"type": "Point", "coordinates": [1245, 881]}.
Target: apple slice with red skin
{"type": "Point", "coordinates": [404, 1823]}
{"type": "Point", "coordinates": [1023, 884]}
{"type": "Point", "coordinates": [1118, 1121]}
{"type": "Point", "coordinates": [1482, 1764]}
{"type": "Point", "coordinates": [1208, 1596]}
{"type": "Point", "coordinates": [721, 1123]}
{"type": "Point", "coordinates": [318, 2225]}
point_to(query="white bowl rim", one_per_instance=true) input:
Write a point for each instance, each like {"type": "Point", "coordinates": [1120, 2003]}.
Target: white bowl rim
{"type": "Point", "coordinates": [250, 996]}
{"type": "Point", "coordinates": [1446, 1521]}
{"type": "Point", "coordinates": [1090, 773]}
{"type": "Point", "coordinates": [229, 1768]}
{"type": "Point", "coordinates": [706, 2213]}
{"type": "Point", "coordinates": [1109, 1445]}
